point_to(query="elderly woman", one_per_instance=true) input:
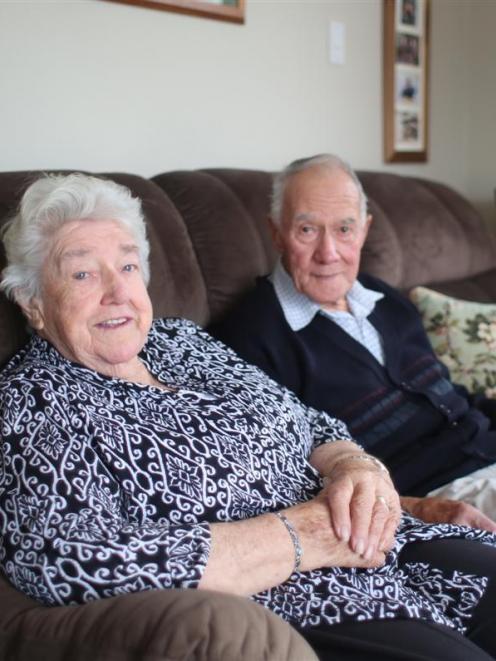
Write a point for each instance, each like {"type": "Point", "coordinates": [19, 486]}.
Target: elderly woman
{"type": "Point", "coordinates": [144, 455]}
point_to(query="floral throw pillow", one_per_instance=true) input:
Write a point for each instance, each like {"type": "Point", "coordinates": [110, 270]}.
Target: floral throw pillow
{"type": "Point", "coordinates": [463, 335]}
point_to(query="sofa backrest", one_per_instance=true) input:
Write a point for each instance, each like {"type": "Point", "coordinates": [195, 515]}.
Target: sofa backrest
{"type": "Point", "coordinates": [209, 239]}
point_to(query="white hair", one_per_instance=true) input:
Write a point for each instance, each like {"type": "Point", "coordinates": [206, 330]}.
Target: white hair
{"type": "Point", "coordinates": [324, 161]}
{"type": "Point", "coordinates": [46, 206]}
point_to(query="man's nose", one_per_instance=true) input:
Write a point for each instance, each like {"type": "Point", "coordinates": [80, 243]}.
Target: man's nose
{"type": "Point", "coordinates": [326, 248]}
{"type": "Point", "coordinates": [114, 288]}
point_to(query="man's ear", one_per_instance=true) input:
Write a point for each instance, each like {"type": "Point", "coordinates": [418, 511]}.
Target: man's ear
{"type": "Point", "coordinates": [33, 311]}
{"type": "Point", "coordinates": [368, 222]}
{"type": "Point", "coordinates": [275, 232]}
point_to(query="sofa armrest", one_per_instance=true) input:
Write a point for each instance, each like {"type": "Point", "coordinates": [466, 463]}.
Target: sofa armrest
{"type": "Point", "coordinates": [158, 625]}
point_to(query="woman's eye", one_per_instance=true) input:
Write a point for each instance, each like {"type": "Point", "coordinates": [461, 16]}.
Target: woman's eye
{"type": "Point", "coordinates": [129, 268]}
{"type": "Point", "coordinates": [80, 275]}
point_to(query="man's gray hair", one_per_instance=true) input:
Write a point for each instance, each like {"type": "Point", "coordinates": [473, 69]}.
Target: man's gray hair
{"type": "Point", "coordinates": [46, 206]}
{"type": "Point", "coordinates": [325, 161]}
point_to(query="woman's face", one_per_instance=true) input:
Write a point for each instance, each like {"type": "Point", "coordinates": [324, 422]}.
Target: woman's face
{"type": "Point", "coordinates": [94, 306]}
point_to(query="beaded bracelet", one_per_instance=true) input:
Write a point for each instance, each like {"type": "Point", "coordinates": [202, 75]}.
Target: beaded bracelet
{"type": "Point", "coordinates": [294, 538]}
{"type": "Point", "coordinates": [362, 457]}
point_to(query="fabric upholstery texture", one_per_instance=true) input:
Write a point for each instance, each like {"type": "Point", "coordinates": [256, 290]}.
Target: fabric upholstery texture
{"type": "Point", "coordinates": [209, 239]}
{"type": "Point", "coordinates": [440, 235]}
{"type": "Point", "coordinates": [160, 625]}
{"type": "Point", "coordinates": [463, 335]}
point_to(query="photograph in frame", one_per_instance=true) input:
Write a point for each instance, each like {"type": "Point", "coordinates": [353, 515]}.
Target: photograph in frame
{"type": "Point", "coordinates": [405, 80]}
{"type": "Point", "coordinates": [408, 13]}
{"type": "Point", "coordinates": [407, 87]}
{"type": "Point", "coordinates": [408, 49]}
{"type": "Point", "coordinates": [408, 130]}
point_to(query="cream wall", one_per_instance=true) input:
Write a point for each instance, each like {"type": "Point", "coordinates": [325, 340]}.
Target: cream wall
{"type": "Point", "coordinates": [481, 155]}
{"type": "Point", "coordinates": [102, 86]}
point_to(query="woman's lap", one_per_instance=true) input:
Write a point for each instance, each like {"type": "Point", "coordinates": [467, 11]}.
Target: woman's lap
{"type": "Point", "coordinates": [465, 555]}
{"type": "Point", "coordinates": [471, 558]}
{"type": "Point", "coordinates": [391, 640]}
{"type": "Point", "coordinates": [415, 640]}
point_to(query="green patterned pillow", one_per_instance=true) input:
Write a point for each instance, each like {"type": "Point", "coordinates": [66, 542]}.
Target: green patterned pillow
{"type": "Point", "coordinates": [463, 335]}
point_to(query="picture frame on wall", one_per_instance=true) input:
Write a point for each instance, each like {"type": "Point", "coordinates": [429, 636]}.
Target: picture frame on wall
{"type": "Point", "coordinates": [406, 67]}
{"type": "Point", "coordinates": [223, 10]}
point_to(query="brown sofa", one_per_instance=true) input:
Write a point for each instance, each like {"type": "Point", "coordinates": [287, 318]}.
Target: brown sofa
{"type": "Point", "coordinates": [209, 239]}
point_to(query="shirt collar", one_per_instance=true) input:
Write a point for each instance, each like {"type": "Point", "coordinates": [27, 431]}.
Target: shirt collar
{"type": "Point", "coordinates": [299, 309]}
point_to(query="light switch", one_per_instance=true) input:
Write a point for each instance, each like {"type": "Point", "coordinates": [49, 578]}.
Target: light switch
{"type": "Point", "coordinates": [337, 42]}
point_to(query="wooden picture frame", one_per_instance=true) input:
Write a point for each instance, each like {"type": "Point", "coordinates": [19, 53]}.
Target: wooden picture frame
{"type": "Point", "coordinates": [222, 10]}
{"type": "Point", "coordinates": [406, 68]}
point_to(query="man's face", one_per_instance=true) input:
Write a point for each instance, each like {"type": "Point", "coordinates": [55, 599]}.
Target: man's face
{"type": "Point", "coordinates": [321, 234]}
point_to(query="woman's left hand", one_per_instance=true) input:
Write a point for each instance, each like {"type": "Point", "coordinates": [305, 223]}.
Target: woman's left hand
{"type": "Point", "coordinates": [364, 505]}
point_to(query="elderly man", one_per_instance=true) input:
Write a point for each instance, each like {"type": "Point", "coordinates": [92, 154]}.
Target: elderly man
{"type": "Point", "coordinates": [353, 346]}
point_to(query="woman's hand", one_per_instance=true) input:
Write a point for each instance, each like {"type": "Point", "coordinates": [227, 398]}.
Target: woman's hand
{"type": "Point", "coordinates": [350, 523]}
{"type": "Point", "coordinates": [320, 545]}
{"type": "Point", "coordinates": [255, 554]}
{"type": "Point", "coordinates": [364, 506]}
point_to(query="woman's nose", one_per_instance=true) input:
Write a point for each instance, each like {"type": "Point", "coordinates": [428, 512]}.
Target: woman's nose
{"type": "Point", "coordinates": [114, 289]}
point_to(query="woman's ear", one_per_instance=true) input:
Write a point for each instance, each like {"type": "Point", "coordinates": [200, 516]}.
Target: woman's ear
{"type": "Point", "coordinates": [33, 311]}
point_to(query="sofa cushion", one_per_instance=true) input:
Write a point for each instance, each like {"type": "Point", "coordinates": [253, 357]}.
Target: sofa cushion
{"type": "Point", "coordinates": [157, 625]}
{"type": "Point", "coordinates": [225, 226]}
{"type": "Point", "coordinates": [432, 224]}
{"type": "Point", "coordinates": [463, 335]}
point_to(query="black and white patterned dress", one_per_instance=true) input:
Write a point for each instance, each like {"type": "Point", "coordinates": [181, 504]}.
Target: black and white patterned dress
{"type": "Point", "coordinates": [107, 487]}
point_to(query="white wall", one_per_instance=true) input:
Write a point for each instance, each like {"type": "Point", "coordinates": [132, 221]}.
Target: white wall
{"type": "Point", "coordinates": [482, 107]}
{"type": "Point", "coordinates": [102, 86]}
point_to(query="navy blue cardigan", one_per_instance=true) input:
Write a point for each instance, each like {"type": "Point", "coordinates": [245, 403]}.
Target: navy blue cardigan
{"type": "Point", "coordinates": [408, 413]}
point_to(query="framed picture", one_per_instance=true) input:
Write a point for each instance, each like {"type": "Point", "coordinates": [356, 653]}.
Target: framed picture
{"type": "Point", "coordinates": [406, 67]}
{"type": "Point", "coordinates": [223, 10]}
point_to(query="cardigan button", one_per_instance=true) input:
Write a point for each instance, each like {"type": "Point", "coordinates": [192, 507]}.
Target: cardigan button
{"type": "Point", "coordinates": [405, 385]}
{"type": "Point", "coordinates": [444, 408]}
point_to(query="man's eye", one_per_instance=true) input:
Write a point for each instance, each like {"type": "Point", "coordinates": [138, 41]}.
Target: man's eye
{"type": "Point", "coordinates": [346, 230]}
{"type": "Point", "coordinates": [129, 268]}
{"type": "Point", "coordinates": [80, 275]}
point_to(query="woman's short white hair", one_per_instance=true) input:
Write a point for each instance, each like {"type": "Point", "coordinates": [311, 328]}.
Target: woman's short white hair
{"type": "Point", "coordinates": [49, 203]}
{"type": "Point", "coordinates": [325, 161]}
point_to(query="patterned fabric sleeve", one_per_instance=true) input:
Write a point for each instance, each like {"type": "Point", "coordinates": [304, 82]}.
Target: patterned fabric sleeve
{"type": "Point", "coordinates": [323, 427]}
{"type": "Point", "coordinates": [326, 429]}
{"type": "Point", "coordinates": [69, 534]}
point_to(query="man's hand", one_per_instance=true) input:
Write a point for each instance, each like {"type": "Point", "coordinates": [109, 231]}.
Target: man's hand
{"type": "Point", "coordinates": [442, 510]}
